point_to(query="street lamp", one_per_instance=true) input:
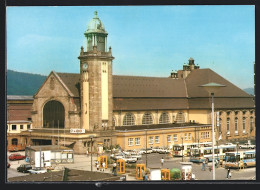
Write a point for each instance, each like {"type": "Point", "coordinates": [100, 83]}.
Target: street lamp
{"type": "Point", "coordinates": [146, 148]}
{"type": "Point", "coordinates": [91, 144]}
{"type": "Point", "coordinates": [237, 152]}
{"type": "Point", "coordinates": [182, 148]}
{"type": "Point", "coordinates": [212, 88]}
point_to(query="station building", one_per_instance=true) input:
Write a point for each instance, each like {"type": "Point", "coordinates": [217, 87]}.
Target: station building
{"type": "Point", "coordinates": [99, 108]}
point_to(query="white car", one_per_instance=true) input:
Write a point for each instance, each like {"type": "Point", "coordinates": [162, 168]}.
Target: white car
{"type": "Point", "coordinates": [37, 171]}
{"type": "Point", "coordinates": [129, 159]}
{"type": "Point", "coordinates": [164, 151]}
{"type": "Point", "coordinates": [138, 156]}
{"type": "Point", "coordinates": [143, 151]}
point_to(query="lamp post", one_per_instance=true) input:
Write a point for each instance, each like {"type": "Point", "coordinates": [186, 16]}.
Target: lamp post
{"type": "Point", "coordinates": [212, 88]}
{"type": "Point", "coordinates": [91, 144]}
{"type": "Point", "coordinates": [182, 148]}
{"type": "Point", "coordinates": [237, 152]}
{"type": "Point", "coordinates": [146, 148]}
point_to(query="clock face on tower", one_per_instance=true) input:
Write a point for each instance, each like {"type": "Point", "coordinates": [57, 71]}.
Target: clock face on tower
{"type": "Point", "coordinates": [85, 66]}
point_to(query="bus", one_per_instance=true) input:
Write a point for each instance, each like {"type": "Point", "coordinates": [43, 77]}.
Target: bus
{"type": "Point", "coordinates": [240, 159]}
{"type": "Point", "coordinates": [205, 153]}
{"type": "Point", "coordinates": [178, 151]}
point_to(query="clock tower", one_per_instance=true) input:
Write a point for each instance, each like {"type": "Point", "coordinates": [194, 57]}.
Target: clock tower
{"type": "Point", "coordinates": [96, 79]}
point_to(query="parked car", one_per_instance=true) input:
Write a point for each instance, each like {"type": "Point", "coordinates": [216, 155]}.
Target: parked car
{"type": "Point", "coordinates": [155, 149]}
{"type": "Point", "coordinates": [117, 156]}
{"type": "Point", "coordinates": [24, 168]}
{"type": "Point", "coordinates": [8, 165]}
{"type": "Point", "coordinates": [16, 156]}
{"type": "Point", "coordinates": [138, 156]}
{"type": "Point", "coordinates": [37, 171]}
{"type": "Point", "coordinates": [247, 145]}
{"type": "Point", "coordinates": [164, 151]}
{"type": "Point", "coordinates": [129, 159]}
{"type": "Point", "coordinates": [143, 151]}
{"type": "Point", "coordinates": [229, 144]}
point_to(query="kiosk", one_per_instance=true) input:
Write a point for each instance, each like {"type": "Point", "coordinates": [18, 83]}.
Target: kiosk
{"type": "Point", "coordinates": [186, 170]}
{"type": "Point", "coordinates": [102, 159]}
{"type": "Point", "coordinates": [139, 169]}
{"type": "Point", "coordinates": [165, 174]}
{"type": "Point", "coordinates": [120, 166]}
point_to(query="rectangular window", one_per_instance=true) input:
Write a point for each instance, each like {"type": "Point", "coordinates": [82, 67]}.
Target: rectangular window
{"type": "Point", "coordinates": [168, 138]}
{"type": "Point", "coordinates": [189, 136]}
{"type": "Point", "coordinates": [137, 141]}
{"type": "Point", "coordinates": [21, 127]}
{"type": "Point", "coordinates": [207, 135]}
{"type": "Point", "coordinates": [244, 125]}
{"type": "Point", "coordinates": [175, 137]}
{"type": "Point", "coordinates": [251, 123]}
{"type": "Point", "coordinates": [28, 126]}
{"type": "Point", "coordinates": [130, 141]}
{"type": "Point", "coordinates": [185, 136]}
{"type": "Point", "coordinates": [150, 140]}
{"type": "Point", "coordinates": [202, 134]}
{"type": "Point", "coordinates": [157, 139]}
{"type": "Point", "coordinates": [13, 127]}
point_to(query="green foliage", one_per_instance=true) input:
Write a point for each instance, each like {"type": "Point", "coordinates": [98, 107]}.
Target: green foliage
{"type": "Point", "coordinates": [175, 173]}
{"type": "Point", "coordinates": [19, 83]}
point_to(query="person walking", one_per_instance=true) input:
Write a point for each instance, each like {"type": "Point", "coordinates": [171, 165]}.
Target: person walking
{"type": "Point", "coordinates": [162, 161]}
{"type": "Point", "coordinates": [98, 166]}
{"type": "Point", "coordinates": [216, 164]}
{"type": "Point", "coordinates": [203, 165]}
{"type": "Point", "coordinates": [103, 166]}
{"type": "Point", "coordinates": [114, 169]}
{"type": "Point", "coordinates": [228, 173]}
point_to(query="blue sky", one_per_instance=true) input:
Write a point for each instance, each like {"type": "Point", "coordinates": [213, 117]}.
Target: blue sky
{"type": "Point", "coordinates": [145, 40]}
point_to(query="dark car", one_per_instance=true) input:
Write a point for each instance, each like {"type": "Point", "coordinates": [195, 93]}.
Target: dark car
{"type": "Point", "coordinates": [16, 157]}
{"type": "Point", "coordinates": [24, 168]}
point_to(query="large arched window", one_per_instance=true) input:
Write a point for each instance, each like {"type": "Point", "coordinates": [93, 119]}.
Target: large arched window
{"type": "Point", "coordinates": [53, 115]}
{"type": "Point", "coordinates": [147, 119]}
{"type": "Point", "coordinates": [129, 119]}
{"type": "Point", "coordinates": [180, 117]}
{"type": "Point", "coordinates": [164, 118]}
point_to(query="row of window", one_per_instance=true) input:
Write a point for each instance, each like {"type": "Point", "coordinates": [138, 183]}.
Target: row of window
{"type": "Point", "coordinates": [236, 124]}
{"type": "Point", "coordinates": [156, 139]}
{"type": "Point", "coordinates": [147, 119]}
{"type": "Point", "coordinates": [236, 112]}
{"type": "Point", "coordinates": [22, 127]}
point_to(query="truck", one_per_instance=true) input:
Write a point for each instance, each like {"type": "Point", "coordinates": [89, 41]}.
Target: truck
{"type": "Point", "coordinates": [247, 146]}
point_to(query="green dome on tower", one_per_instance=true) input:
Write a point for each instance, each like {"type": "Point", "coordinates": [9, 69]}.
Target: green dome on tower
{"type": "Point", "coordinates": [95, 25]}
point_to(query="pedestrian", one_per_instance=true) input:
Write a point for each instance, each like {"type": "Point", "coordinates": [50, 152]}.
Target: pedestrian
{"type": "Point", "coordinates": [143, 174]}
{"type": "Point", "coordinates": [114, 169]}
{"type": "Point", "coordinates": [216, 164]}
{"type": "Point", "coordinates": [97, 166]}
{"type": "Point", "coordinates": [103, 166]}
{"type": "Point", "coordinates": [228, 173]}
{"type": "Point", "coordinates": [203, 165]}
{"type": "Point", "coordinates": [162, 161]}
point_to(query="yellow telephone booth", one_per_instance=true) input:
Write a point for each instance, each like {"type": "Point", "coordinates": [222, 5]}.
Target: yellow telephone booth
{"type": "Point", "coordinates": [139, 169]}
{"type": "Point", "coordinates": [165, 174]}
{"type": "Point", "coordinates": [102, 159]}
{"type": "Point", "coordinates": [120, 166]}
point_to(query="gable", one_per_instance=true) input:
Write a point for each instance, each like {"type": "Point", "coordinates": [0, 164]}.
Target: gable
{"type": "Point", "coordinates": [53, 87]}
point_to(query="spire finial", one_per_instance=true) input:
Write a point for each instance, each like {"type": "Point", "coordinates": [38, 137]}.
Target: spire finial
{"type": "Point", "coordinates": [95, 13]}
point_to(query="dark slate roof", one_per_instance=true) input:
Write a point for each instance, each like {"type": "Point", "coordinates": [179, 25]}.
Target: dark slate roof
{"type": "Point", "coordinates": [72, 81]}
{"type": "Point", "coordinates": [159, 126]}
{"type": "Point", "coordinates": [203, 76]}
{"type": "Point", "coordinates": [149, 103]}
{"type": "Point", "coordinates": [149, 93]}
{"type": "Point", "coordinates": [19, 112]}
{"type": "Point", "coordinates": [136, 86]}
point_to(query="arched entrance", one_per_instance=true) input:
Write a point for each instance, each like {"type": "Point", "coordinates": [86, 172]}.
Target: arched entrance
{"type": "Point", "coordinates": [53, 115]}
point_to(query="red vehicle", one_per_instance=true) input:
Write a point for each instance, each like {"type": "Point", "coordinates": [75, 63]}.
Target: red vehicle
{"type": "Point", "coordinates": [16, 157]}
